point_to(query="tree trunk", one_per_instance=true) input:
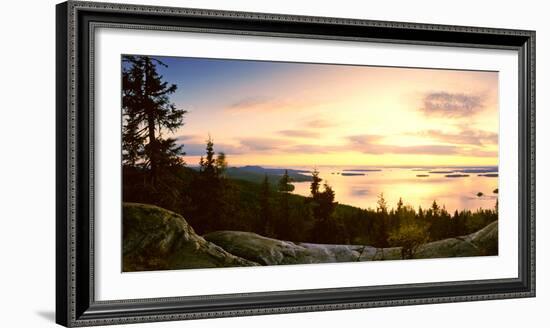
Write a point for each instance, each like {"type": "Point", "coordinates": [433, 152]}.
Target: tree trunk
{"type": "Point", "coordinates": [152, 147]}
{"type": "Point", "coordinates": [150, 124]}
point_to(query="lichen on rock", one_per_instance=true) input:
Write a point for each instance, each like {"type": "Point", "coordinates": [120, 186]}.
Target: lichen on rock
{"type": "Point", "coordinates": [158, 239]}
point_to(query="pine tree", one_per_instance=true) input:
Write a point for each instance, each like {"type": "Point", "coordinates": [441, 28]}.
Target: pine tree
{"type": "Point", "coordinates": [397, 216]}
{"type": "Point", "coordinates": [213, 196]}
{"type": "Point", "coordinates": [496, 204]}
{"type": "Point", "coordinates": [323, 206]}
{"type": "Point", "coordinates": [265, 208]}
{"type": "Point", "coordinates": [326, 202]}
{"type": "Point", "coordinates": [210, 166]}
{"type": "Point", "coordinates": [283, 223]}
{"type": "Point", "coordinates": [284, 183]}
{"type": "Point", "coordinates": [315, 183]}
{"type": "Point", "coordinates": [420, 213]}
{"type": "Point", "coordinates": [208, 190]}
{"type": "Point", "coordinates": [208, 163]}
{"type": "Point", "coordinates": [148, 113]}
{"type": "Point", "coordinates": [315, 195]}
{"type": "Point", "coordinates": [435, 208]}
{"type": "Point", "coordinates": [221, 164]}
{"type": "Point", "coordinates": [381, 230]}
{"type": "Point", "coordinates": [400, 204]}
{"type": "Point", "coordinates": [132, 141]}
{"type": "Point", "coordinates": [382, 205]}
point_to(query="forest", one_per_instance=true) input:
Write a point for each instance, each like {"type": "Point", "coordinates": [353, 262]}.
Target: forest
{"type": "Point", "coordinates": [211, 197]}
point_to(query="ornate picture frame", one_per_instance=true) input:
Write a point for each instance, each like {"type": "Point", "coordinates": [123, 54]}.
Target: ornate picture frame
{"type": "Point", "coordinates": [77, 23]}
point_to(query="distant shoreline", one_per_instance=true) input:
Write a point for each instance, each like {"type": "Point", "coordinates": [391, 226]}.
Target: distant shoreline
{"type": "Point", "coordinates": [371, 168]}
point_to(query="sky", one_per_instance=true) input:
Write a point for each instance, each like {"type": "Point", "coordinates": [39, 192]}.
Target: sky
{"type": "Point", "coordinates": [277, 113]}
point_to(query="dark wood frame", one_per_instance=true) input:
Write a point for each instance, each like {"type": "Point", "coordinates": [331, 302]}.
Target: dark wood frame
{"type": "Point", "coordinates": [76, 23]}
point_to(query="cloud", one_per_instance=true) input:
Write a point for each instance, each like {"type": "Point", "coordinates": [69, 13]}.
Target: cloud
{"type": "Point", "coordinates": [187, 137]}
{"type": "Point", "coordinates": [194, 149]}
{"type": "Point", "coordinates": [370, 144]}
{"type": "Point", "coordinates": [424, 150]}
{"type": "Point", "coordinates": [312, 149]}
{"type": "Point", "coordinates": [195, 145]}
{"type": "Point", "coordinates": [275, 103]}
{"type": "Point", "coordinates": [199, 149]}
{"type": "Point", "coordinates": [464, 137]}
{"type": "Point", "coordinates": [319, 123]}
{"type": "Point", "coordinates": [262, 144]}
{"type": "Point", "coordinates": [250, 102]}
{"type": "Point", "coordinates": [229, 149]}
{"type": "Point", "coordinates": [479, 152]}
{"type": "Point", "coordinates": [286, 147]}
{"type": "Point", "coordinates": [299, 133]}
{"type": "Point", "coordinates": [367, 144]}
{"type": "Point", "coordinates": [265, 104]}
{"type": "Point", "coordinates": [452, 104]}
{"type": "Point", "coordinates": [359, 191]}
{"type": "Point", "coordinates": [364, 140]}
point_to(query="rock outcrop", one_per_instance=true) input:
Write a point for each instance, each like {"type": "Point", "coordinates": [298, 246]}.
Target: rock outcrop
{"type": "Point", "coordinates": [482, 242]}
{"type": "Point", "coordinates": [158, 239]}
{"type": "Point", "coordinates": [267, 251]}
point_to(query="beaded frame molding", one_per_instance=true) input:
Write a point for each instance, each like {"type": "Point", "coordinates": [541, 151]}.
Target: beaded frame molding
{"type": "Point", "coordinates": [75, 30]}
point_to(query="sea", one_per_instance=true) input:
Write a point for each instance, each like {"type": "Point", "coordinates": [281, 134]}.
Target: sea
{"type": "Point", "coordinates": [455, 188]}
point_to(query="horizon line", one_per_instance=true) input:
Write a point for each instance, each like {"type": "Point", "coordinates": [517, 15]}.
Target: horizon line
{"type": "Point", "coordinates": [352, 165]}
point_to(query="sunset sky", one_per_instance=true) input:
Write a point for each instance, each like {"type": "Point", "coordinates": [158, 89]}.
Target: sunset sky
{"type": "Point", "coordinates": [271, 113]}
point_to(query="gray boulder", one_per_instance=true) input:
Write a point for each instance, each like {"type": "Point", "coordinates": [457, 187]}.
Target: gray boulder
{"type": "Point", "coordinates": [268, 251]}
{"type": "Point", "coordinates": [479, 243]}
{"type": "Point", "coordinates": [158, 239]}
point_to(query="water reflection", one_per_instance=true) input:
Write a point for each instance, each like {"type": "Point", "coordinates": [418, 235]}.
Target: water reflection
{"type": "Point", "coordinates": [459, 192]}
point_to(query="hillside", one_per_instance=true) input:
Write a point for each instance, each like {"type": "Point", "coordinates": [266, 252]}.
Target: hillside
{"type": "Point", "coordinates": [253, 173]}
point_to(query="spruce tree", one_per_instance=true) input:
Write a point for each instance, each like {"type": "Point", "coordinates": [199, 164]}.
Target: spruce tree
{"type": "Point", "coordinates": [207, 190]}
{"type": "Point", "coordinates": [283, 223]}
{"type": "Point", "coordinates": [208, 163]}
{"type": "Point", "coordinates": [265, 208]}
{"type": "Point", "coordinates": [382, 233]}
{"type": "Point", "coordinates": [496, 204]}
{"type": "Point", "coordinates": [147, 114]}
{"type": "Point", "coordinates": [315, 183]}
{"type": "Point", "coordinates": [400, 205]}
{"type": "Point", "coordinates": [212, 194]}
{"type": "Point", "coordinates": [326, 202]}
{"type": "Point", "coordinates": [221, 164]}
{"type": "Point", "coordinates": [382, 205]}
{"type": "Point", "coordinates": [322, 205]}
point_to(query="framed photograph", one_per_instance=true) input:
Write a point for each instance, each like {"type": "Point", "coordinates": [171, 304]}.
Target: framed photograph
{"type": "Point", "coordinates": [214, 163]}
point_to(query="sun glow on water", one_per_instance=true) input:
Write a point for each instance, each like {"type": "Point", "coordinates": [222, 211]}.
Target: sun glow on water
{"type": "Point", "coordinates": [363, 190]}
